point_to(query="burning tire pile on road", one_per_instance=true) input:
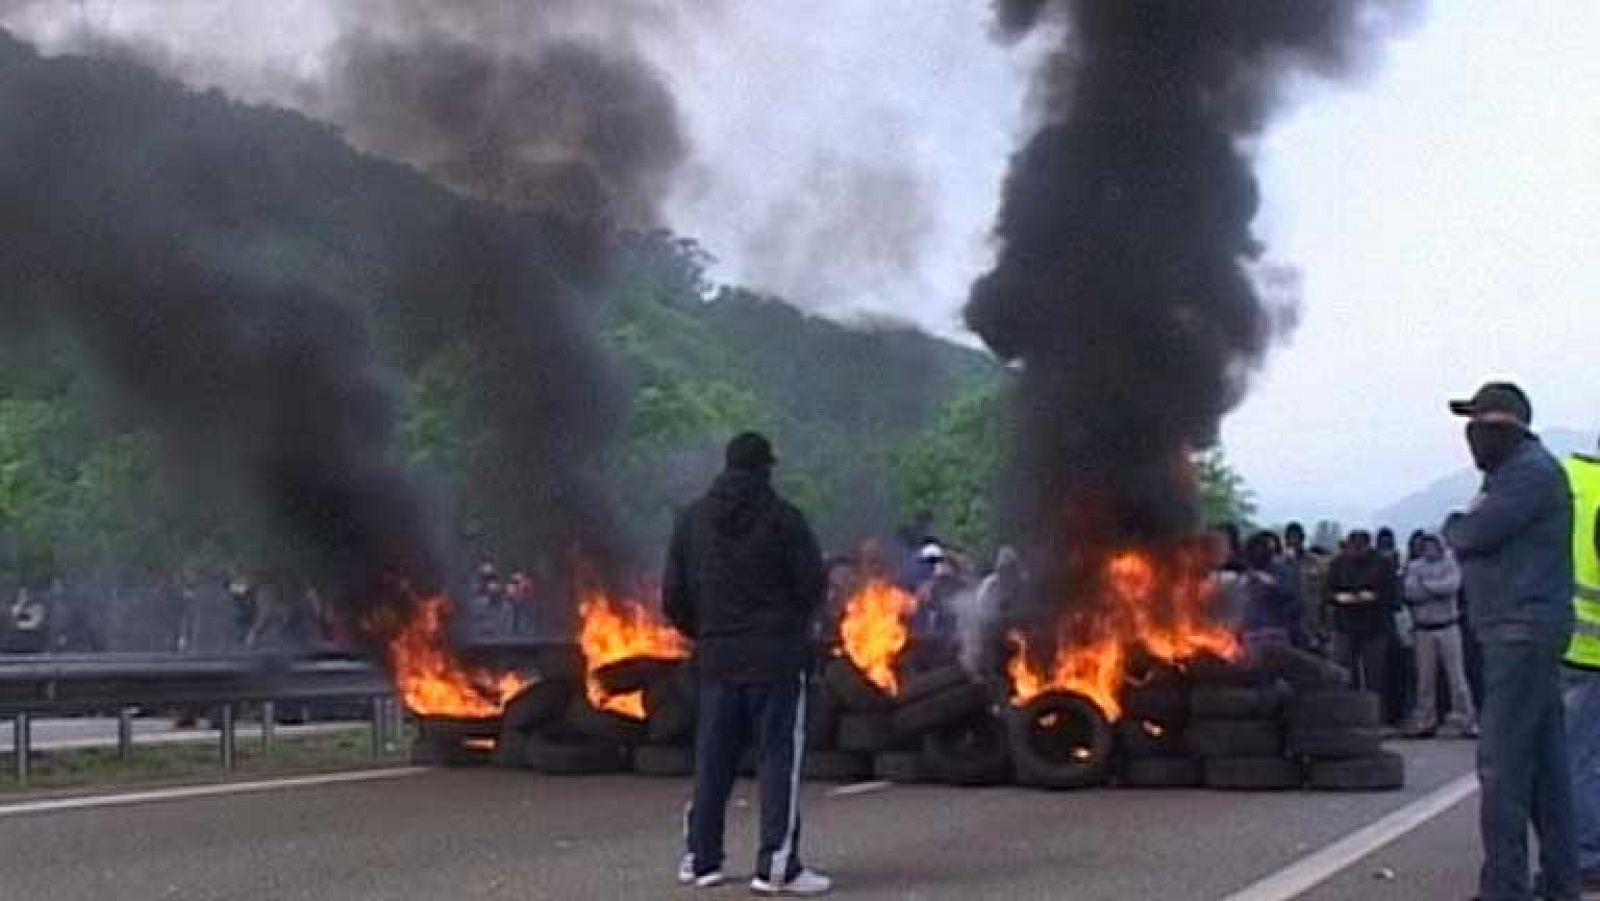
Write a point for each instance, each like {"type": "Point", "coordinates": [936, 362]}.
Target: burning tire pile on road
{"type": "Point", "coordinates": [624, 699]}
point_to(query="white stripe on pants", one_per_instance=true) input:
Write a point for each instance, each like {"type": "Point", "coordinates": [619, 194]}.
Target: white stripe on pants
{"type": "Point", "coordinates": [779, 870]}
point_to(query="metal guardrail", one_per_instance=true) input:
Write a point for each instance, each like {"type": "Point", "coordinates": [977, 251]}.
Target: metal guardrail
{"type": "Point", "coordinates": [43, 684]}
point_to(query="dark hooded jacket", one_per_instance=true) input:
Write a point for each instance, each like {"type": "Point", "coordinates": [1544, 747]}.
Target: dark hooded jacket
{"type": "Point", "coordinates": [744, 577]}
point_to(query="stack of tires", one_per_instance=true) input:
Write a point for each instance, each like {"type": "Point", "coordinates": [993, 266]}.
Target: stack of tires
{"type": "Point", "coordinates": [1287, 722]}
{"type": "Point", "coordinates": [1237, 733]}
{"type": "Point", "coordinates": [552, 728]}
{"type": "Point", "coordinates": [1284, 722]}
{"type": "Point", "coordinates": [1152, 746]}
{"type": "Point", "coordinates": [455, 741]}
{"type": "Point", "coordinates": [1338, 734]}
{"type": "Point", "coordinates": [941, 727]}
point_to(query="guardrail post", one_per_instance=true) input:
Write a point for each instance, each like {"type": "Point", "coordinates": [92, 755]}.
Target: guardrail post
{"type": "Point", "coordinates": [396, 721]}
{"type": "Point", "coordinates": [269, 725]}
{"type": "Point", "coordinates": [21, 744]}
{"type": "Point", "coordinates": [125, 733]}
{"type": "Point", "coordinates": [228, 738]}
{"type": "Point", "coordinates": [379, 722]}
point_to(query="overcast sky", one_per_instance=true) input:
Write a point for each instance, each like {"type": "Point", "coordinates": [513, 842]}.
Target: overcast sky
{"type": "Point", "coordinates": [1443, 211]}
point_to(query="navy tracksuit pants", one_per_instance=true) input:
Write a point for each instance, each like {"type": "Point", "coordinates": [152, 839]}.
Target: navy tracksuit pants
{"type": "Point", "coordinates": [732, 716]}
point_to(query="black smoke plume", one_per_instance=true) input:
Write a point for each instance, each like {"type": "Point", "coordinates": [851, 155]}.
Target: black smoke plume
{"type": "Point", "coordinates": [136, 213]}
{"type": "Point", "coordinates": [554, 122]}
{"type": "Point", "coordinates": [1122, 286]}
{"type": "Point", "coordinates": [118, 210]}
{"type": "Point", "coordinates": [547, 110]}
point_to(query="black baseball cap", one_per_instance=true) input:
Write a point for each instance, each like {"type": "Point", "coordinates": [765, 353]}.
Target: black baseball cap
{"type": "Point", "coordinates": [750, 450]}
{"type": "Point", "coordinates": [1497, 401]}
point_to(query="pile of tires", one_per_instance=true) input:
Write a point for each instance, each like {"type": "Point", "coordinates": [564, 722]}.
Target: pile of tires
{"type": "Point", "coordinates": [1338, 734]}
{"type": "Point", "coordinates": [1284, 722]}
{"type": "Point", "coordinates": [940, 727]}
{"type": "Point", "coordinates": [455, 741]}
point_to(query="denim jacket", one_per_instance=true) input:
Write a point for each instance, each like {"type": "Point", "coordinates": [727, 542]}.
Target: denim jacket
{"type": "Point", "coordinates": [1515, 549]}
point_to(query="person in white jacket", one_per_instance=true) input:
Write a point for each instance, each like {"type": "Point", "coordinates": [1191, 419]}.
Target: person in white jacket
{"type": "Point", "coordinates": [1432, 584]}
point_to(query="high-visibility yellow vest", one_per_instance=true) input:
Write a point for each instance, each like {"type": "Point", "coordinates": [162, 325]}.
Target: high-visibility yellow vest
{"type": "Point", "coordinates": [1583, 473]}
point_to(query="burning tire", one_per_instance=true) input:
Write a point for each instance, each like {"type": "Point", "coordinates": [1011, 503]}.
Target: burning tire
{"type": "Point", "coordinates": [669, 710]}
{"type": "Point", "coordinates": [1210, 670]}
{"type": "Point", "coordinates": [938, 709]}
{"type": "Point", "coordinates": [822, 718]}
{"type": "Point", "coordinates": [1235, 738]}
{"type": "Point", "coordinates": [560, 662]}
{"type": "Point", "coordinates": [1335, 742]}
{"type": "Point", "coordinates": [577, 758]}
{"type": "Point", "coordinates": [1383, 772]}
{"type": "Point", "coordinates": [973, 751]}
{"type": "Point", "coordinates": [1253, 774]}
{"type": "Point", "coordinates": [1059, 740]}
{"type": "Point", "coordinates": [1236, 702]}
{"type": "Point", "coordinates": [1146, 738]}
{"type": "Point", "coordinates": [1166, 704]}
{"type": "Point", "coordinates": [865, 733]}
{"type": "Point", "coordinates": [603, 725]}
{"type": "Point", "coordinates": [898, 766]}
{"type": "Point", "coordinates": [634, 674]}
{"type": "Point", "coordinates": [668, 762]}
{"type": "Point", "coordinates": [1305, 671]}
{"type": "Point", "coordinates": [1161, 772]}
{"type": "Point", "coordinates": [537, 706]}
{"type": "Point", "coordinates": [854, 691]}
{"type": "Point", "coordinates": [932, 682]}
{"type": "Point", "coordinates": [834, 766]}
{"type": "Point", "coordinates": [448, 741]}
{"type": "Point", "coordinates": [1336, 707]}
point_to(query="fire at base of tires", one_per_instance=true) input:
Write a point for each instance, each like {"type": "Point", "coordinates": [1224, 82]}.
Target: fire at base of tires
{"type": "Point", "coordinates": [1282, 721]}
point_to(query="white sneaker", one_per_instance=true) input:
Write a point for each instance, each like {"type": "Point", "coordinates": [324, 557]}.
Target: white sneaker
{"type": "Point", "coordinates": [805, 883]}
{"type": "Point", "coordinates": [686, 874]}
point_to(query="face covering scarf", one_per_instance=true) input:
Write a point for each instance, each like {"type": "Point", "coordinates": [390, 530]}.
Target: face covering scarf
{"type": "Point", "coordinates": [1492, 443]}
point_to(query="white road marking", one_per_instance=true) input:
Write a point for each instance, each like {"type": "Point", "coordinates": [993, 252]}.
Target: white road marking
{"type": "Point", "coordinates": [200, 791]}
{"type": "Point", "coordinates": [859, 788]}
{"type": "Point", "coordinates": [1314, 869]}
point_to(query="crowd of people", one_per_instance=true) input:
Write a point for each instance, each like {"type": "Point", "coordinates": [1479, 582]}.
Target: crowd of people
{"type": "Point", "coordinates": [185, 614]}
{"type": "Point", "coordinates": [1392, 617]}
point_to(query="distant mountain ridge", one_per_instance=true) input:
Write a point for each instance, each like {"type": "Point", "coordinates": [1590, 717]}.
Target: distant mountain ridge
{"type": "Point", "coordinates": [1427, 507]}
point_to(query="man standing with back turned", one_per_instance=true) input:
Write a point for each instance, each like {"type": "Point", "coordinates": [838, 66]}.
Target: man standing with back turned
{"type": "Point", "coordinates": [1515, 546]}
{"type": "Point", "coordinates": [744, 578]}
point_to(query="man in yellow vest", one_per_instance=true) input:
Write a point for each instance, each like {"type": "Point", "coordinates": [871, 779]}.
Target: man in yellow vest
{"type": "Point", "coordinates": [1583, 664]}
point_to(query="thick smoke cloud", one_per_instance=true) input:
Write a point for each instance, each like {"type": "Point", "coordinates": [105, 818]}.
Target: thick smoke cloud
{"type": "Point", "coordinates": [115, 210]}
{"type": "Point", "coordinates": [546, 106]}
{"type": "Point", "coordinates": [549, 112]}
{"type": "Point", "coordinates": [132, 207]}
{"type": "Point", "coordinates": [849, 228]}
{"type": "Point", "coordinates": [1121, 284]}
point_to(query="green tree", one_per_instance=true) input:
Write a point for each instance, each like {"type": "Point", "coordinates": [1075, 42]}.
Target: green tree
{"type": "Point", "coordinates": [1224, 496]}
{"type": "Point", "coordinates": [950, 469]}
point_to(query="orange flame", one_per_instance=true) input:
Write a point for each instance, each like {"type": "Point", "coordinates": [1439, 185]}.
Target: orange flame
{"type": "Point", "coordinates": [432, 681]}
{"type": "Point", "coordinates": [1147, 603]}
{"type": "Point", "coordinates": [875, 630]}
{"type": "Point", "coordinates": [616, 630]}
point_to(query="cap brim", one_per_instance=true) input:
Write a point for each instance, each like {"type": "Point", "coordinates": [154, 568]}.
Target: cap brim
{"type": "Point", "coordinates": [1462, 407]}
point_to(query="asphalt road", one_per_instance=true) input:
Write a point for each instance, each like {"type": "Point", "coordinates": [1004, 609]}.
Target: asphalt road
{"type": "Point", "coordinates": [493, 834]}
